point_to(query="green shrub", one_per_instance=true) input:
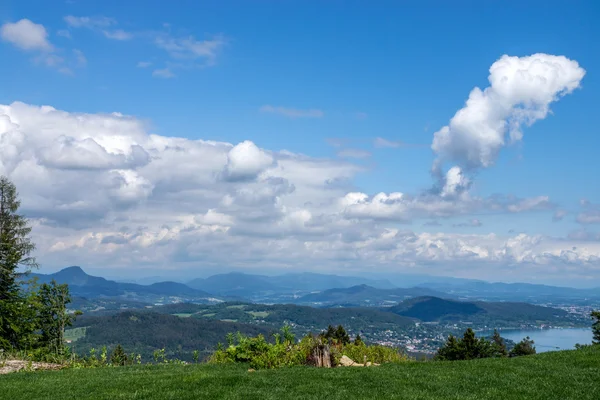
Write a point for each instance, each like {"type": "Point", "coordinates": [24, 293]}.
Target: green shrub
{"type": "Point", "coordinates": [285, 352]}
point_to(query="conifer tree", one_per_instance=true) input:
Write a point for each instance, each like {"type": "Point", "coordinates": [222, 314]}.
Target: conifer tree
{"type": "Point", "coordinates": [358, 340]}
{"type": "Point", "coordinates": [499, 345]}
{"type": "Point", "coordinates": [450, 350]}
{"type": "Point", "coordinates": [524, 348]}
{"type": "Point", "coordinates": [118, 357]}
{"type": "Point", "coordinates": [596, 327]}
{"type": "Point", "coordinates": [15, 261]}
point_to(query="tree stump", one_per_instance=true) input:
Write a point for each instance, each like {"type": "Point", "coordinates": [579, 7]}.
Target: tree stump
{"type": "Point", "coordinates": [321, 356]}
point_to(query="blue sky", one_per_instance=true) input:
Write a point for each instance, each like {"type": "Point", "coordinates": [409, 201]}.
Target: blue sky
{"type": "Point", "coordinates": [325, 80]}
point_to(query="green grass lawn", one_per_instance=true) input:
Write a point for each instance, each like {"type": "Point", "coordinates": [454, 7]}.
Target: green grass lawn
{"type": "Point", "coordinates": [556, 375]}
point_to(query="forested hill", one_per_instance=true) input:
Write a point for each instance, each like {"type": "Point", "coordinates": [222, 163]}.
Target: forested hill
{"type": "Point", "coordinates": [443, 310]}
{"type": "Point", "coordinates": [144, 332]}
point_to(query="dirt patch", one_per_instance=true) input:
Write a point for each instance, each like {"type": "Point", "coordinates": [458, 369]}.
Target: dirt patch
{"type": "Point", "coordinates": [9, 366]}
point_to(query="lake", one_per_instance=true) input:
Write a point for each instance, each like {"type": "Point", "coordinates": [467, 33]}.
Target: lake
{"type": "Point", "coordinates": [548, 339]}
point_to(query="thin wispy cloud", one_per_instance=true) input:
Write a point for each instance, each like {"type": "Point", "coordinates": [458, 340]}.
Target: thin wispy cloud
{"type": "Point", "coordinates": [189, 48]}
{"type": "Point", "coordinates": [292, 112]}
{"type": "Point", "coordinates": [380, 142]}
{"type": "Point", "coordinates": [474, 223]}
{"type": "Point", "coordinates": [118, 34]}
{"type": "Point", "coordinates": [559, 215]}
{"type": "Point", "coordinates": [144, 64]}
{"type": "Point", "coordinates": [102, 24]}
{"type": "Point", "coordinates": [165, 73]}
{"type": "Point", "coordinates": [354, 153]}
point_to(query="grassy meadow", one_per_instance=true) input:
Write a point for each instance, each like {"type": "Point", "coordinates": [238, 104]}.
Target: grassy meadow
{"type": "Point", "coordinates": [554, 375]}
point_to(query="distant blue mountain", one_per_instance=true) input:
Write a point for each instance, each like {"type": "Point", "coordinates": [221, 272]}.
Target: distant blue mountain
{"type": "Point", "coordinates": [364, 295]}
{"type": "Point", "coordinates": [84, 285]}
{"type": "Point", "coordinates": [250, 285]}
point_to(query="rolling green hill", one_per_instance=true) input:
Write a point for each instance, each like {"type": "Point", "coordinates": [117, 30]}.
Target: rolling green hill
{"type": "Point", "coordinates": [563, 375]}
{"type": "Point", "coordinates": [302, 318]}
{"type": "Point", "coordinates": [144, 332]}
{"type": "Point", "coordinates": [431, 309]}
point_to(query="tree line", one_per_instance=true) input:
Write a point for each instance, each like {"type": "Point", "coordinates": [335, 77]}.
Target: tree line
{"type": "Point", "coordinates": [32, 317]}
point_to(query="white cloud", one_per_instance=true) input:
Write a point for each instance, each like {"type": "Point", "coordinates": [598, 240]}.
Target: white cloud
{"type": "Point", "coordinates": [245, 161]}
{"type": "Point", "coordinates": [559, 215]}
{"type": "Point", "coordinates": [63, 33]}
{"type": "Point", "coordinates": [26, 35]}
{"type": "Point", "coordinates": [89, 22]}
{"type": "Point", "coordinates": [163, 73]}
{"type": "Point", "coordinates": [520, 93]}
{"type": "Point", "coordinates": [590, 213]}
{"type": "Point", "coordinates": [353, 153]}
{"type": "Point", "coordinates": [381, 142]}
{"type": "Point", "coordinates": [80, 58]}
{"type": "Point", "coordinates": [473, 223]}
{"type": "Point", "coordinates": [189, 48]}
{"type": "Point", "coordinates": [293, 112]}
{"type": "Point", "coordinates": [33, 38]}
{"type": "Point", "coordinates": [118, 34]}
{"type": "Point", "coordinates": [144, 64]}
{"type": "Point", "coordinates": [102, 189]}
{"type": "Point", "coordinates": [100, 24]}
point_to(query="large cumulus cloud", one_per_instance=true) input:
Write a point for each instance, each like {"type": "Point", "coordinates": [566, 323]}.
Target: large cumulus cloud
{"type": "Point", "coordinates": [101, 189]}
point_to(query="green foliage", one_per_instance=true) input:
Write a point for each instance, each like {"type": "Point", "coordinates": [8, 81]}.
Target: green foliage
{"type": "Point", "coordinates": [286, 352]}
{"type": "Point", "coordinates": [118, 356]}
{"type": "Point", "coordinates": [471, 347]}
{"type": "Point", "coordinates": [499, 344]}
{"type": "Point", "coordinates": [358, 340]}
{"type": "Point", "coordinates": [524, 348]}
{"type": "Point", "coordinates": [336, 335]}
{"type": "Point", "coordinates": [52, 300]}
{"type": "Point", "coordinates": [16, 325]}
{"type": "Point", "coordinates": [596, 327]}
{"type": "Point", "coordinates": [143, 332]}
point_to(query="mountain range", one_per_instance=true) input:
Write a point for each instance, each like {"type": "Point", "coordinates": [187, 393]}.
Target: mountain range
{"type": "Point", "coordinates": [87, 286]}
{"type": "Point", "coordinates": [364, 295]}
{"type": "Point", "coordinates": [309, 289]}
{"type": "Point", "coordinates": [257, 286]}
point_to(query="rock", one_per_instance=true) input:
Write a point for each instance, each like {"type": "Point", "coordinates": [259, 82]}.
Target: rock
{"type": "Point", "coordinates": [21, 365]}
{"type": "Point", "coordinates": [346, 361]}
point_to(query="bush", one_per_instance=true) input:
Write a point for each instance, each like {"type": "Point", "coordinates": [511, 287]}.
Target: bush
{"type": "Point", "coordinates": [260, 354]}
{"type": "Point", "coordinates": [470, 347]}
{"type": "Point", "coordinates": [524, 348]}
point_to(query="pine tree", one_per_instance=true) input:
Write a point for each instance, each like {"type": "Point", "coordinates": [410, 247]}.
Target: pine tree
{"type": "Point", "coordinates": [499, 347]}
{"type": "Point", "coordinates": [450, 351]}
{"type": "Point", "coordinates": [470, 345]}
{"type": "Point", "coordinates": [358, 340]}
{"type": "Point", "coordinates": [15, 261]}
{"type": "Point", "coordinates": [341, 335]}
{"type": "Point", "coordinates": [596, 327]}
{"type": "Point", "coordinates": [524, 348]}
{"type": "Point", "coordinates": [118, 357]}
